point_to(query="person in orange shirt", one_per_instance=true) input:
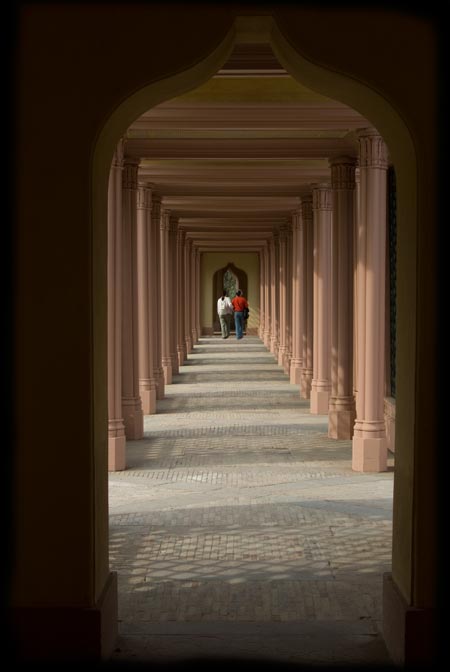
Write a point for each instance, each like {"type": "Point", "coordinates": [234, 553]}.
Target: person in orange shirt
{"type": "Point", "coordinates": [240, 305]}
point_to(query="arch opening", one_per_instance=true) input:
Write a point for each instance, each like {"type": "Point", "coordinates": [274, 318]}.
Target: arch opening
{"type": "Point", "coordinates": [318, 78]}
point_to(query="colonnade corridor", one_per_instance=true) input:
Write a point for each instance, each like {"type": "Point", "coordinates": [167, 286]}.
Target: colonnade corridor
{"type": "Point", "coordinates": [239, 530]}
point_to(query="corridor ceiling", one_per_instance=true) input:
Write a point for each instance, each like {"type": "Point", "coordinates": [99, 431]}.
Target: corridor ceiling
{"type": "Point", "coordinates": [232, 157]}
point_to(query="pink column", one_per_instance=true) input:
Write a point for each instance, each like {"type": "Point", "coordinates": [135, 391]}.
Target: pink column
{"type": "Point", "coordinates": [165, 298]}
{"type": "Point", "coordinates": [341, 413]}
{"type": "Point", "coordinates": [262, 309]}
{"type": "Point", "coordinates": [355, 284]}
{"type": "Point", "coordinates": [155, 268]}
{"type": "Point", "coordinates": [147, 383]}
{"type": "Point", "coordinates": [297, 359]}
{"type": "Point", "coordinates": [282, 291]}
{"type": "Point", "coordinates": [287, 361]}
{"type": "Point", "coordinates": [307, 295]}
{"type": "Point", "coordinates": [116, 427]}
{"type": "Point", "coordinates": [187, 295]}
{"type": "Point", "coordinates": [274, 294]}
{"type": "Point", "coordinates": [369, 440]}
{"type": "Point", "coordinates": [267, 292]}
{"type": "Point", "coordinates": [321, 384]}
{"type": "Point", "coordinates": [173, 291]}
{"type": "Point", "coordinates": [194, 294]}
{"type": "Point", "coordinates": [181, 343]}
{"type": "Point", "coordinates": [131, 401]}
{"type": "Point", "coordinates": [198, 292]}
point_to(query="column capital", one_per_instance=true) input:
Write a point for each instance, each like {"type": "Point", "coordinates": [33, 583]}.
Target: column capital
{"type": "Point", "coordinates": [342, 158]}
{"type": "Point", "coordinates": [144, 197]}
{"type": "Point", "coordinates": [322, 197]}
{"type": "Point", "coordinates": [173, 222]}
{"type": "Point", "coordinates": [297, 220]}
{"type": "Point", "coordinates": [306, 208]}
{"type": "Point", "coordinates": [156, 205]}
{"type": "Point", "coordinates": [131, 160]}
{"type": "Point", "coordinates": [130, 173]}
{"type": "Point", "coordinates": [373, 152]}
{"type": "Point", "coordinates": [164, 220]}
{"type": "Point", "coordinates": [283, 230]}
{"type": "Point", "coordinates": [343, 172]}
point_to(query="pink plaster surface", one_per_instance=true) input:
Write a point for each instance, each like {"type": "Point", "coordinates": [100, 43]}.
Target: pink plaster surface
{"type": "Point", "coordinates": [116, 453]}
{"type": "Point", "coordinates": [369, 454]}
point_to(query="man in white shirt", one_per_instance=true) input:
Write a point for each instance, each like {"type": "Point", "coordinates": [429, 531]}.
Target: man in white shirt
{"type": "Point", "coordinates": [224, 311]}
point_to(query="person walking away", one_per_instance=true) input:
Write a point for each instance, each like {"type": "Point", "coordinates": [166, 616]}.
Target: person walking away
{"type": "Point", "coordinates": [224, 311]}
{"type": "Point", "coordinates": [239, 305]}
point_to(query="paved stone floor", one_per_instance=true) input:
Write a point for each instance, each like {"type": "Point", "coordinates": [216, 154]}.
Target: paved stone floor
{"type": "Point", "coordinates": [239, 530]}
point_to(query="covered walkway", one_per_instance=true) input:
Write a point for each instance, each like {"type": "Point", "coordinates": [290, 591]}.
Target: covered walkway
{"type": "Point", "coordinates": [239, 529]}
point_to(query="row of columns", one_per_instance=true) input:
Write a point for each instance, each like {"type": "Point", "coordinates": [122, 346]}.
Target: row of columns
{"type": "Point", "coordinates": [315, 318]}
{"type": "Point", "coordinates": [323, 300]}
{"type": "Point", "coordinates": [153, 306]}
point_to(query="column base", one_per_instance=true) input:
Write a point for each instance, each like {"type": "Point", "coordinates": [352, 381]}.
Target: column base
{"type": "Point", "coordinates": [160, 385]}
{"type": "Point", "coordinates": [281, 355]}
{"type": "Point", "coordinates": [167, 368]}
{"type": "Point", "coordinates": [181, 353]}
{"type": "Point", "coordinates": [133, 419]}
{"type": "Point", "coordinates": [175, 369]}
{"type": "Point", "coordinates": [267, 339]}
{"type": "Point", "coordinates": [305, 384]}
{"type": "Point", "coordinates": [274, 347]}
{"type": "Point", "coordinates": [319, 401]}
{"type": "Point", "coordinates": [188, 345]}
{"type": "Point", "coordinates": [67, 634]}
{"type": "Point", "coordinates": [116, 453]}
{"type": "Point", "coordinates": [410, 634]}
{"type": "Point", "coordinates": [295, 373]}
{"type": "Point", "coordinates": [369, 454]}
{"type": "Point", "coordinates": [341, 424]}
{"type": "Point", "coordinates": [148, 399]}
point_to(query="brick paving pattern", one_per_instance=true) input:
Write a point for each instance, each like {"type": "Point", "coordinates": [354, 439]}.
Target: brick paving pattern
{"type": "Point", "coordinates": [237, 511]}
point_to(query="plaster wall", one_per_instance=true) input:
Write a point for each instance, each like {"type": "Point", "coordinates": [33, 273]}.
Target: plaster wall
{"type": "Point", "coordinates": [212, 262]}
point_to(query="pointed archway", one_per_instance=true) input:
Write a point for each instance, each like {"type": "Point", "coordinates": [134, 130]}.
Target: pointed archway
{"type": "Point", "coordinates": [409, 566]}
{"type": "Point", "coordinates": [72, 577]}
{"type": "Point", "coordinates": [238, 280]}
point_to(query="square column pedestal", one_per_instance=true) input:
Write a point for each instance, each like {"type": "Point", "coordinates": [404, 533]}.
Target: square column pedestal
{"type": "Point", "coordinates": [319, 401]}
{"type": "Point", "coordinates": [340, 424]}
{"type": "Point", "coordinates": [369, 454]}
{"type": "Point", "coordinates": [295, 372]}
{"type": "Point", "coordinates": [116, 453]}
{"type": "Point", "coordinates": [133, 418]}
{"type": "Point", "coordinates": [148, 399]}
{"type": "Point", "coordinates": [167, 368]}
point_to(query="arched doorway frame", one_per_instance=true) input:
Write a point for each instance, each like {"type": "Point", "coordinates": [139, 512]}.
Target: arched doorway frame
{"type": "Point", "coordinates": [388, 122]}
{"type": "Point", "coordinates": [241, 277]}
